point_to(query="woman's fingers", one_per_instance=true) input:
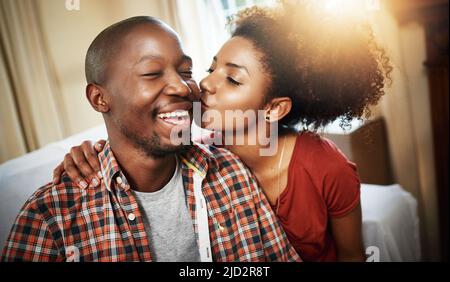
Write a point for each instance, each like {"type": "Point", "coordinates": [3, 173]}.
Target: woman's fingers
{"type": "Point", "coordinates": [83, 166]}
{"type": "Point", "coordinates": [57, 172]}
{"type": "Point", "coordinates": [73, 172]}
{"type": "Point", "coordinates": [91, 156]}
{"type": "Point", "coordinates": [99, 145]}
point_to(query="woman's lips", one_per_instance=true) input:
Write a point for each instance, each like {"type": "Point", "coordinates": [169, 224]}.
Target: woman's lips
{"type": "Point", "coordinates": [204, 106]}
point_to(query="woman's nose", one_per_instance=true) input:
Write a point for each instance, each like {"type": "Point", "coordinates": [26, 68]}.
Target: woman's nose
{"type": "Point", "coordinates": [207, 85]}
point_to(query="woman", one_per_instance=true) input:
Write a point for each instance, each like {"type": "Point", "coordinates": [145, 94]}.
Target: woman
{"type": "Point", "coordinates": [298, 65]}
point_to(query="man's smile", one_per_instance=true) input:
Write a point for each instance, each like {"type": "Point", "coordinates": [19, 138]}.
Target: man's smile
{"type": "Point", "coordinates": [176, 114]}
{"type": "Point", "coordinates": [178, 117]}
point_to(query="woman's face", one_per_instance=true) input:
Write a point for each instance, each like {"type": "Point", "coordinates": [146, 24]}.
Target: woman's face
{"type": "Point", "coordinates": [236, 81]}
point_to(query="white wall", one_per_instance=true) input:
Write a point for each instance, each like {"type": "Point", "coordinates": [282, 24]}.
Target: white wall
{"type": "Point", "coordinates": [412, 39]}
{"type": "Point", "coordinates": [406, 108]}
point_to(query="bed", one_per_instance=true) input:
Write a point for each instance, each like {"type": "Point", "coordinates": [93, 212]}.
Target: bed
{"type": "Point", "coordinates": [390, 219]}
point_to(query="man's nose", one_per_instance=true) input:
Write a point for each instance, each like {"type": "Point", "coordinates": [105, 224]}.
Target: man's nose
{"type": "Point", "coordinates": [177, 86]}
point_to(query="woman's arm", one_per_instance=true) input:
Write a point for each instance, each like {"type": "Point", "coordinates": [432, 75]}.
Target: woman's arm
{"type": "Point", "coordinates": [347, 235]}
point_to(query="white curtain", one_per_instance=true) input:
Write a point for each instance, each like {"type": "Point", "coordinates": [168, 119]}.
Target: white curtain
{"type": "Point", "coordinates": [29, 90]}
{"type": "Point", "coordinates": [13, 142]}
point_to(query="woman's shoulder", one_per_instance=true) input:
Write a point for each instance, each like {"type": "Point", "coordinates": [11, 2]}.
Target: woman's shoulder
{"type": "Point", "coordinates": [323, 160]}
{"type": "Point", "coordinates": [320, 155]}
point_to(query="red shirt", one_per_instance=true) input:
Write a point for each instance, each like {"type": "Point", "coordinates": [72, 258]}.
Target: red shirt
{"type": "Point", "coordinates": [322, 184]}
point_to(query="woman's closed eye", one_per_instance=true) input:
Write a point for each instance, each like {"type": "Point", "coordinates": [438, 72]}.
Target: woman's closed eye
{"type": "Point", "coordinates": [233, 81]}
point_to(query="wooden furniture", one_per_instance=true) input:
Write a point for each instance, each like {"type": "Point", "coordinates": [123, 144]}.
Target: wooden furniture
{"type": "Point", "coordinates": [367, 147]}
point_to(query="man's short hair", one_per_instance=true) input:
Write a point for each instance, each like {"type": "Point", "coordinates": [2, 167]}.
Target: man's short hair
{"type": "Point", "coordinates": [108, 42]}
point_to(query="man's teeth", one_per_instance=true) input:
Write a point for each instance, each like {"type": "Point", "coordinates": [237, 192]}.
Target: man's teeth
{"type": "Point", "coordinates": [174, 114]}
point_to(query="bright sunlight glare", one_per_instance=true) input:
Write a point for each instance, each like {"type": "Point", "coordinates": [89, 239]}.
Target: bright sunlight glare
{"type": "Point", "coordinates": [349, 8]}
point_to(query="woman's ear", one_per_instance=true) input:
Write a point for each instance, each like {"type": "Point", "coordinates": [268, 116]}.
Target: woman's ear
{"type": "Point", "coordinates": [96, 97]}
{"type": "Point", "coordinates": [278, 108]}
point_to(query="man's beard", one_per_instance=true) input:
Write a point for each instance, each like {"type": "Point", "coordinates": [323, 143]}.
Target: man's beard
{"type": "Point", "coordinates": [152, 146]}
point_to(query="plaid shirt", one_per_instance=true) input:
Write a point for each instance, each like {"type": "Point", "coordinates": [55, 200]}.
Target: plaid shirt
{"type": "Point", "coordinates": [66, 223]}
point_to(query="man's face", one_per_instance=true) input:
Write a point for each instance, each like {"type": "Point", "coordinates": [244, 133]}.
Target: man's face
{"type": "Point", "coordinates": [151, 90]}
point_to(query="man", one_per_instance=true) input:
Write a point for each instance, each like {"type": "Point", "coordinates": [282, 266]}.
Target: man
{"type": "Point", "coordinates": [157, 201]}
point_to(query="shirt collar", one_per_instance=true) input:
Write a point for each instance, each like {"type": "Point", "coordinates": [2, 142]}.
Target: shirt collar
{"type": "Point", "coordinates": [199, 156]}
{"type": "Point", "coordinates": [111, 170]}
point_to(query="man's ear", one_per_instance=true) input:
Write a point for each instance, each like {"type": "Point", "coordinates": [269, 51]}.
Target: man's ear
{"type": "Point", "coordinates": [96, 97]}
{"type": "Point", "coordinates": [278, 108]}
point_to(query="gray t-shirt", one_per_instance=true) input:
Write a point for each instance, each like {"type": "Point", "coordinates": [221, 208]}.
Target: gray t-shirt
{"type": "Point", "coordinates": [168, 223]}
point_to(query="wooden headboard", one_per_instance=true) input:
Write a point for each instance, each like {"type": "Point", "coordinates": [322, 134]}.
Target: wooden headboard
{"type": "Point", "coordinates": [368, 147]}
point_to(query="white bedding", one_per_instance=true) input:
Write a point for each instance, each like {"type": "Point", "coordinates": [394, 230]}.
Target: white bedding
{"type": "Point", "coordinates": [390, 220]}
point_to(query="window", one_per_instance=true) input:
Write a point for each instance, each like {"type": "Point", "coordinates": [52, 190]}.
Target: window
{"type": "Point", "coordinates": [231, 7]}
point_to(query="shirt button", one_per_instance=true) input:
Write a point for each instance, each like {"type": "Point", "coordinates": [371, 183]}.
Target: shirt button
{"type": "Point", "coordinates": [131, 216]}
